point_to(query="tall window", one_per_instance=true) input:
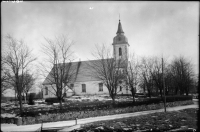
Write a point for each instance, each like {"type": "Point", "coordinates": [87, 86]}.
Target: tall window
{"type": "Point", "coordinates": [83, 88]}
{"type": "Point", "coordinates": [100, 87]}
{"type": "Point", "coordinates": [120, 88]}
{"type": "Point", "coordinates": [46, 90]}
{"type": "Point", "coordinates": [120, 51]}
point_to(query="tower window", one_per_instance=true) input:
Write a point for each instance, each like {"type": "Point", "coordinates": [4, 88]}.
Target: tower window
{"type": "Point", "coordinates": [120, 51]}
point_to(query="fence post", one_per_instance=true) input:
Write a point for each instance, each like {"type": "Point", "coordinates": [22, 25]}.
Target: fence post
{"type": "Point", "coordinates": [76, 121]}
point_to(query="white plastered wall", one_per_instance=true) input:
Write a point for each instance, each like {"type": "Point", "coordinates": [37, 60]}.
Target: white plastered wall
{"type": "Point", "coordinates": [92, 88]}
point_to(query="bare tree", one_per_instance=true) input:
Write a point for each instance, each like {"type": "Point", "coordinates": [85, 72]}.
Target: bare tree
{"type": "Point", "coordinates": [27, 83]}
{"type": "Point", "coordinates": [110, 71]}
{"type": "Point", "coordinates": [146, 76]}
{"type": "Point", "coordinates": [133, 71]}
{"type": "Point", "coordinates": [4, 77]}
{"type": "Point", "coordinates": [155, 69]}
{"type": "Point", "coordinates": [169, 81]}
{"type": "Point", "coordinates": [17, 59]}
{"type": "Point", "coordinates": [156, 73]}
{"type": "Point", "coordinates": [58, 65]}
{"type": "Point", "coordinates": [183, 74]}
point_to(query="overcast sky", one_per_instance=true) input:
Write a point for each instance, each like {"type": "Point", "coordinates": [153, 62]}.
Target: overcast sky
{"type": "Point", "coordinates": [152, 28]}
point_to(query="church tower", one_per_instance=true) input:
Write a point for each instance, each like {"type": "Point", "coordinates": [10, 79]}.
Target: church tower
{"type": "Point", "coordinates": [120, 44]}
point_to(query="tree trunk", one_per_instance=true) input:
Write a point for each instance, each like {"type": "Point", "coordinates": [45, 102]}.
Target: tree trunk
{"type": "Point", "coordinates": [157, 91]}
{"type": "Point", "coordinates": [60, 101]}
{"type": "Point", "coordinates": [113, 99]}
{"type": "Point", "coordinates": [176, 91]}
{"type": "Point", "coordinates": [26, 96]}
{"type": "Point", "coordinates": [161, 93]}
{"type": "Point", "coordinates": [20, 103]}
{"type": "Point", "coordinates": [15, 98]}
{"type": "Point", "coordinates": [149, 92]}
{"type": "Point", "coordinates": [167, 91]}
{"type": "Point", "coordinates": [133, 99]}
{"type": "Point", "coordinates": [144, 89]}
{"type": "Point", "coordinates": [133, 94]}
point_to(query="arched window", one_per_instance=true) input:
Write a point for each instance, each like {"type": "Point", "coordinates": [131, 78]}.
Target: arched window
{"type": "Point", "coordinates": [120, 51]}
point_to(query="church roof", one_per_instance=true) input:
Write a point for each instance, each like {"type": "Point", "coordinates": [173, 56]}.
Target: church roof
{"type": "Point", "coordinates": [120, 30]}
{"type": "Point", "coordinates": [80, 71]}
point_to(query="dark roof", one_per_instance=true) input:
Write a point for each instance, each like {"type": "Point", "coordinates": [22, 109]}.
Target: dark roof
{"type": "Point", "coordinates": [81, 72]}
{"type": "Point", "coordinates": [120, 30]}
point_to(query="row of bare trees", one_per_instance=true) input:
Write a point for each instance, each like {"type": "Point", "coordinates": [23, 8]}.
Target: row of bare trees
{"type": "Point", "coordinates": [56, 67]}
{"type": "Point", "coordinates": [59, 70]}
{"type": "Point", "coordinates": [143, 73]}
{"type": "Point", "coordinates": [179, 77]}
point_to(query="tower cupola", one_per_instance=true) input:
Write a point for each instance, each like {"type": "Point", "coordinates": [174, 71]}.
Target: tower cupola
{"type": "Point", "coordinates": [120, 44]}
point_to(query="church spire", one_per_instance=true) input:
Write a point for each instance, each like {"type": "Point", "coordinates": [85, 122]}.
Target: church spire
{"type": "Point", "coordinates": [120, 30]}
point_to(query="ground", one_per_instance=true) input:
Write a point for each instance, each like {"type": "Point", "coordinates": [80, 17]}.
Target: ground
{"type": "Point", "coordinates": [9, 109]}
{"type": "Point", "coordinates": [157, 121]}
{"type": "Point", "coordinates": [153, 122]}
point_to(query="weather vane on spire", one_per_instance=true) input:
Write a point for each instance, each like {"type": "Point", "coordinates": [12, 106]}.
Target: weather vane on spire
{"type": "Point", "coordinates": [119, 16]}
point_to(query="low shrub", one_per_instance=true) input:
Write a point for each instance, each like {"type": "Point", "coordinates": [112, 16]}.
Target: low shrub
{"type": "Point", "coordinates": [123, 95]}
{"type": "Point", "coordinates": [31, 97]}
{"type": "Point", "coordinates": [140, 95]}
{"type": "Point", "coordinates": [53, 100]}
{"type": "Point", "coordinates": [178, 98]}
{"type": "Point", "coordinates": [159, 99]}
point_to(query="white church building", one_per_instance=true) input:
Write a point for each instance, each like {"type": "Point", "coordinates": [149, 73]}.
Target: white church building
{"type": "Point", "coordinates": [88, 85]}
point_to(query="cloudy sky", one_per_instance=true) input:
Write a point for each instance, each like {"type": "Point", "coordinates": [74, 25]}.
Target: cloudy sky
{"type": "Point", "coordinates": [152, 28]}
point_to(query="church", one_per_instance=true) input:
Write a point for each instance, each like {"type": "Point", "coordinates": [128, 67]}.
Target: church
{"type": "Point", "coordinates": [83, 84]}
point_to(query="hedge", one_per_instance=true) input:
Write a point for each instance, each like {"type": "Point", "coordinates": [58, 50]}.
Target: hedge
{"type": "Point", "coordinates": [98, 105]}
{"type": "Point", "coordinates": [146, 101]}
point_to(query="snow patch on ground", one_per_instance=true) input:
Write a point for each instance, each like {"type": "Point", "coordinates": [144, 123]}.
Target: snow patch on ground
{"type": "Point", "coordinates": [8, 115]}
{"type": "Point", "coordinates": [8, 125]}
